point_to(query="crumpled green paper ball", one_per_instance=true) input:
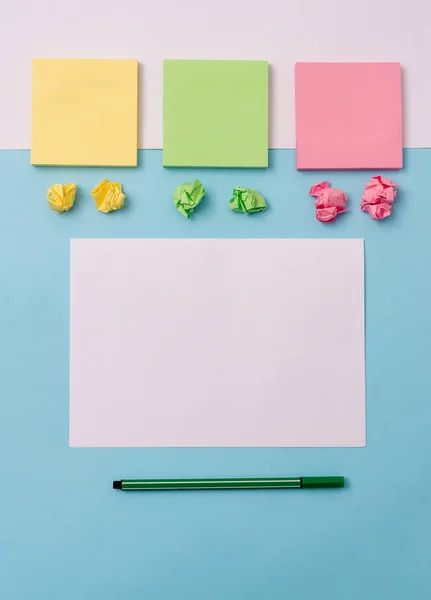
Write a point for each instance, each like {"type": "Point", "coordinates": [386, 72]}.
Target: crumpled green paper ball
{"type": "Point", "coordinates": [247, 201]}
{"type": "Point", "coordinates": [187, 196]}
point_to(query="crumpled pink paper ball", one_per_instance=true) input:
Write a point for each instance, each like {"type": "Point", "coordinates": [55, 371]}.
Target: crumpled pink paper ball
{"type": "Point", "coordinates": [330, 203]}
{"type": "Point", "coordinates": [378, 197]}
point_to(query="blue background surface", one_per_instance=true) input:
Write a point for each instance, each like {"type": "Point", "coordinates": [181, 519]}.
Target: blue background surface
{"type": "Point", "coordinates": [66, 534]}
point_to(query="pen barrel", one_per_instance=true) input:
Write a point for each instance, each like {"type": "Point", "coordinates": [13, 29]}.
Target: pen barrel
{"type": "Point", "coordinates": [229, 484]}
{"type": "Point", "coordinates": [211, 484]}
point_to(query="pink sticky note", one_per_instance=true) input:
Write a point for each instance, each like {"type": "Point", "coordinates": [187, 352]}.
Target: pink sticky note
{"type": "Point", "coordinates": [348, 116]}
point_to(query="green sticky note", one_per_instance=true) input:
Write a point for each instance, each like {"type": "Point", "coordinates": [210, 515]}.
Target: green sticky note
{"type": "Point", "coordinates": [215, 113]}
{"type": "Point", "coordinates": [247, 201]}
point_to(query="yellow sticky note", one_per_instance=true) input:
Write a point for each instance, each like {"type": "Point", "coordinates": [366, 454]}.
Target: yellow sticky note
{"type": "Point", "coordinates": [84, 112]}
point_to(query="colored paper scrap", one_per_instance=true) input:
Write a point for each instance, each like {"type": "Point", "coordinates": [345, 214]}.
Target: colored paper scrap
{"type": "Point", "coordinates": [378, 197]}
{"type": "Point", "coordinates": [329, 201]}
{"type": "Point", "coordinates": [247, 201]}
{"type": "Point", "coordinates": [108, 196]}
{"type": "Point", "coordinates": [187, 196]}
{"type": "Point", "coordinates": [61, 197]}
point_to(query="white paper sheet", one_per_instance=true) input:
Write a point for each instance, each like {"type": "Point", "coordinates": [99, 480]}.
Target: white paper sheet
{"type": "Point", "coordinates": [217, 342]}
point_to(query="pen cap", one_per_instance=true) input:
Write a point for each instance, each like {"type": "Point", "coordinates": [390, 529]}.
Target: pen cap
{"type": "Point", "coordinates": [322, 482]}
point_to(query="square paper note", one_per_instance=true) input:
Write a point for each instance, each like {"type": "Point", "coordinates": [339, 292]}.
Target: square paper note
{"type": "Point", "coordinates": [217, 342]}
{"type": "Point", "coordinates": [215, 113]}
{"type": "Point", "coordinates": [348, 116]}
{"type": "Point", "coordinates": [85, 112]}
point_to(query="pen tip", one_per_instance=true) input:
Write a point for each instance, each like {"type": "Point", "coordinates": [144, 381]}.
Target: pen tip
{"type": "Point", "coordinates": [116, 485]}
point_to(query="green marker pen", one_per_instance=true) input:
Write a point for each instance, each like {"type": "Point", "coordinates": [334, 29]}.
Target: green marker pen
{"type": "Point", "coordinates": [259, 483]}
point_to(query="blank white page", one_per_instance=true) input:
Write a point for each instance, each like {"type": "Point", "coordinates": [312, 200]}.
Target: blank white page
{"type": "Point", "coordinates": [217, 342]}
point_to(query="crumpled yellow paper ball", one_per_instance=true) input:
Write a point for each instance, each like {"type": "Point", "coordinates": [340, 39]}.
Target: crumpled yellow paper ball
{"type": "Point", "coordinates": [61, 197]}
{"type": "Point", "coordinates": [108, 196]}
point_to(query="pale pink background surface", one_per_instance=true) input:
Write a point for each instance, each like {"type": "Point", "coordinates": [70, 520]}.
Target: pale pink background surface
{"type": "Point", "coordinates": [348, 116]}
{"type": "Point", "coordinates": [217, 342]}
{"type": "Point", "coordinates": [282, 32]}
